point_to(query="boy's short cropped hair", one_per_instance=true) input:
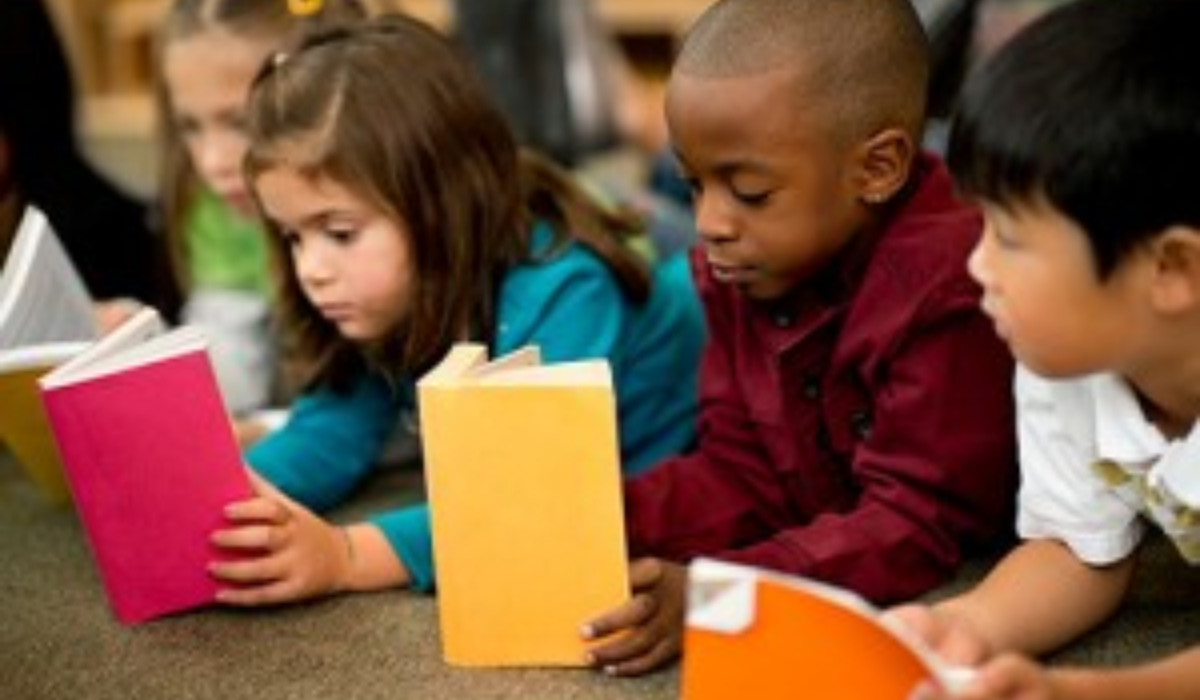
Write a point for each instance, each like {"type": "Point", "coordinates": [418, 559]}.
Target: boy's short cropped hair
{"type": "Point", "coordinates": [1097, 119]}
{"type": "Point", "coordinates": [862, 81]}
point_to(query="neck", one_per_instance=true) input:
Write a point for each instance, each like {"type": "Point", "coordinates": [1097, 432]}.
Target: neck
{"type": "Point", "coordinates": [1169, 390]}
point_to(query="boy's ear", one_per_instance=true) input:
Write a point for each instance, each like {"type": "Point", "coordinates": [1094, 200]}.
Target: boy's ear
{"type": "Point", "coordinates": [1177, 270]}
{"type": "Point", "coordinates": [885, 163]}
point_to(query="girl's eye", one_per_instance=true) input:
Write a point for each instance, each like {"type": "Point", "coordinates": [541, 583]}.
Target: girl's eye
{"type": "Point", "coordinates": [342, 235]}
{"type": "Point", "coordinates": [291, 239]}
{"type": "Point", "coordinates": [187, 129]}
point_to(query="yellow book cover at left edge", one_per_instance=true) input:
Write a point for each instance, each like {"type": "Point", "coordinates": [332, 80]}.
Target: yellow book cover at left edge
{"type": "Point", "coordinates": [23, 427]}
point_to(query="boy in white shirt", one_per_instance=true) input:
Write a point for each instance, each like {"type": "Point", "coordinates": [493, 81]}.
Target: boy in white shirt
{"type": "Point", "coordinates": [1080, 140]}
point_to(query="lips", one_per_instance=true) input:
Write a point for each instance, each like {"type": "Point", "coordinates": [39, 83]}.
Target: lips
{"type": "Point", "coordinates": [336, 312]}
{"type": "Point", "coordinates": [728, 273]}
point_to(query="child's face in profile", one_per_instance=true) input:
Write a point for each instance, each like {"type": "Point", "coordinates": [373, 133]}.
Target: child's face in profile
{"type": "Point", "coordinates": [1041, 288]}
{"type": "Point", "coordinates": [774, 193]}
{"type": "Point", "coordinates": [207, 77]}
{"type": "Point", "coordinates": [352, 260]}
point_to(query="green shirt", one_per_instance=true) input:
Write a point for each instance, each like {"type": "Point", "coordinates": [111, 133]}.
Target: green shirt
{"type": "Point", "coordinates": [225, 249]}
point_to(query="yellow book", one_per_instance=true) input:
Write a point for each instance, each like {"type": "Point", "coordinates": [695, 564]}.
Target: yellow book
{"type": "Point", "coordinates": [45, 317]}
{"type": "Point", "coordinates": [523, 474]}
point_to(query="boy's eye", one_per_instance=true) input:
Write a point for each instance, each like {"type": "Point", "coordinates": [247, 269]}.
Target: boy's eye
{"type": "Point", "coordinates": [751, 198]}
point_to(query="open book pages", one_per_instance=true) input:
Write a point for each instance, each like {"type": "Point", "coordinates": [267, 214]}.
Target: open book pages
{"type": "Point", "coordinates": [467, 363]}
{"type": "Point", "coordinates": [43, 356]}
{"type": "Point", "coordinates": [142, 339]}
{"type": "Point", "coordinates": [42, 297]}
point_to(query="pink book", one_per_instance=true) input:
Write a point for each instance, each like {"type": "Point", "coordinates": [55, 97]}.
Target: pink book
{"type": "Point", "coordinates": [151, 460]}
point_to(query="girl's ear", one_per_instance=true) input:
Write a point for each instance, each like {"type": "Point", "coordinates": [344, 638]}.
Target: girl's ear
{"type": "Point", "coordinates": [885, 163]}
{"type": "Point", "coordinates": [1177, 270]}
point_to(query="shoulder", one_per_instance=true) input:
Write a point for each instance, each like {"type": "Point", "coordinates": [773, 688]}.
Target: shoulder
{"type": "Point", "coordinates": [552, 267]}
{"type": "Point", "coordinates": [920, 259]}
{"type": "Point", "coordinates": [933, 232]}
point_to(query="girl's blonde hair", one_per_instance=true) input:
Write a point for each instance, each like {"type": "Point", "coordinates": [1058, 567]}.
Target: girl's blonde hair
{"type": "Point", "coordinates": [390, 109]}
{"type": "Point", "coordinates": [266, 20]}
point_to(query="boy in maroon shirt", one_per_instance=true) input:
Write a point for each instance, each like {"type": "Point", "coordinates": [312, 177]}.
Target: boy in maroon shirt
{"type": "Point", "coordinates": [856, 419]}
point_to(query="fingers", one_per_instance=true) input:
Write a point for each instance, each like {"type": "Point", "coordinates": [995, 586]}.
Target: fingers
{"type": "Point", "coordinates": [261, 509]}
{"type": "Point", "coordinates": [645, 573]}
{"type": "Point", "coordinates": [267, 592]}
{"type": "Point", "coordinates": [637, 611]}
{"type": "Point", "coordinates": [646, 632]}
{"type": "Point", "coordinates": [642, 657]}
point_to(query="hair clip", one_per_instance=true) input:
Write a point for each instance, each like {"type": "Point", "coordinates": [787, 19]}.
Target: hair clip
{"type": "Point", "coordinates": [304, 8]}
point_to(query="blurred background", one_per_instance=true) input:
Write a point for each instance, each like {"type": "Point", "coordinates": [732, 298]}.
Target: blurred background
{"type": "Point", "coordinates": [110, 46]}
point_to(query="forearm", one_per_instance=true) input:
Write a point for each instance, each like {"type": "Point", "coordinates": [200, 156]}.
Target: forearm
{"type": "Point", "coordinates": [329, 444]}
{"type": "Point", "coordinates": [1174, 678]}
{"type": "Point", "coordinates": [1040, 597]}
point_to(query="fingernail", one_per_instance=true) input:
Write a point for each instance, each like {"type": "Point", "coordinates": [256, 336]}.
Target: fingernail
{"type": "Point", "coordinates": [587, 632]}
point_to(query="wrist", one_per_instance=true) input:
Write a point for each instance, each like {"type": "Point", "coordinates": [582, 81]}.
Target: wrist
{"type": "Point", "coordinates": [369, 563]}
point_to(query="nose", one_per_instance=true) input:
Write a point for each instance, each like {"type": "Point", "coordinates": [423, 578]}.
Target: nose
{"type": "Point", "coordinates": [312, 266]}
{"type": "Point", "coordinates": [714, 223]}
{"type": "Point", "coordinates": [979, 262]}
{"type": "Point", "coordinates": [217, 155]}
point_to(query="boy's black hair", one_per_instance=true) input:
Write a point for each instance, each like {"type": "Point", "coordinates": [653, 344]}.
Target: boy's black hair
{"type": "Point", "coordinates": [1095, 110]}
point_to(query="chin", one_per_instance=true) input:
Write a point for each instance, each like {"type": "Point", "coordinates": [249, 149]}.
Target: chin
{"type": "Point", "coordinates": [1050, 368]}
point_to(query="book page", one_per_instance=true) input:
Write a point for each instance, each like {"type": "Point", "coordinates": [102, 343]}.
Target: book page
{"type": "Point", "coordinates": [142, 339]}
{"type": "Point", "coordinates": [44, 355]}
{"type": "Point", "coordinates": [42, 297]}
{"type": "Point", "coordinates": [581, 373]}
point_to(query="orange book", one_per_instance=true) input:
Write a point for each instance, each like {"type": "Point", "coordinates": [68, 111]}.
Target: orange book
{"type": "Point", "coordinates": [523, 474]}
{"type": "Point", "coordinates": [764, 635]}
{"type": "Point", "coordinates": [45, 317]}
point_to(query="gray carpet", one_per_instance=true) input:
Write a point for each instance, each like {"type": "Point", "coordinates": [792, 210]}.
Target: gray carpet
{"type": "Point", "coordinates": [58, 639]}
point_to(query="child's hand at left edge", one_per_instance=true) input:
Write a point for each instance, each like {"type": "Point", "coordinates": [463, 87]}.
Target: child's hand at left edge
{"type": "Point", "coordinates": [647, 630]}
{"type": "Point", "coordinates": [280, 552]}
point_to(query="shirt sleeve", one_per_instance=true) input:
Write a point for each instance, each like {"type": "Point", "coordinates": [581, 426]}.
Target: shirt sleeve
{"type": "Point", "coordinates": [1061, 498]}
{"type": "Point", "coordinates": [329, 443]}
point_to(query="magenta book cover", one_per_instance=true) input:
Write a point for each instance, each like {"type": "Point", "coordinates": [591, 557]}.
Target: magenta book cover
{"type": "Point", "coordinates": [151, 460]}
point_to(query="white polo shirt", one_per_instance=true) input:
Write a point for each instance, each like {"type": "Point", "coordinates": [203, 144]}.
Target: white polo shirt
{"type": "Point", "coordinates": [1094, 470]}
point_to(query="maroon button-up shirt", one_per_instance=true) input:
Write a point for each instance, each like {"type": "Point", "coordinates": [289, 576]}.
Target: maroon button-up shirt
{"type": "Point", "coordinates": [862, 431]}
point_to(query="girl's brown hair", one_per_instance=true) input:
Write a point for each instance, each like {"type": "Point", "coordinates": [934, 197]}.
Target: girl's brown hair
{"type": "Point", "coordinates": [267, 20]}
{"type": "Point", "coordinates": [390, 109]}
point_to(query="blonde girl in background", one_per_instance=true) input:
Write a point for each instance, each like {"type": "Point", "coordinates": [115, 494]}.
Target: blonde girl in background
{"type": "Point", "coordinates": [210, 51]}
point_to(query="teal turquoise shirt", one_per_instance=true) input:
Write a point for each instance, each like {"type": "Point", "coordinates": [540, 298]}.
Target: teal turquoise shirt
{"type": "Point", "coordinates": [572, 308]}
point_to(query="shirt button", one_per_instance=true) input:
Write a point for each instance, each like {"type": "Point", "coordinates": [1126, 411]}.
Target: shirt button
{"type": "Point", "coordinates": [782, 320]}
{"type": "Point", "coordinates": [811, 388]}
